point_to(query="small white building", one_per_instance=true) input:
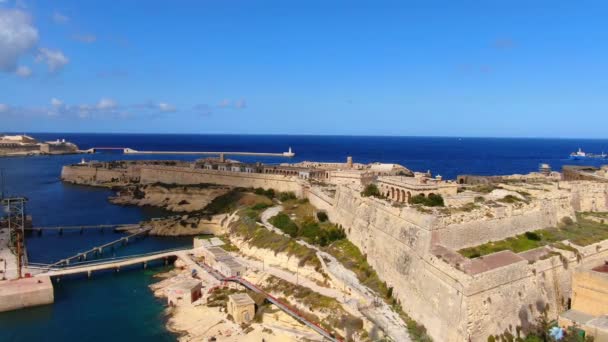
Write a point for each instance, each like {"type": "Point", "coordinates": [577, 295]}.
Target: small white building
{"type": "Point", "coordinates": [241, 307]}
{"type": "Point", "coordinates": [184, 293]}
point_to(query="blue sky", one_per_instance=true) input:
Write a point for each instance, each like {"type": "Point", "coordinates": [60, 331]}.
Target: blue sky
{"type": "Point", "coordinates": [440, 68]}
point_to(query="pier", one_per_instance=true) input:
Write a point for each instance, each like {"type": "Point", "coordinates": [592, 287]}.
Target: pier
{"type": "Point", "coordinates": [60, 269]}
{"type": "Point", "coordinates": [88, 267]}
{"type": "Point", "coordinates": [99, 249]}
{"type": "Point", "coordinates": [127, 150]}
{"type": "Point", "coordinates": [82, 228]}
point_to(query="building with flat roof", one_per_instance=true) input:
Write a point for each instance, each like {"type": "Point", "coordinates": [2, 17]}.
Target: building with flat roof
{"type": "Point", "coordinates": [185, 292]}
{"type": "Point", "coordinates": [589, 311]}
{"type": "Point", "coordinates": [241, 307]}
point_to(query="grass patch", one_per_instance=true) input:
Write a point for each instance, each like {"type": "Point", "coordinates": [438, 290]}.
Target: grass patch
{"type": "Point", "coordinates": [432, 200]}
{"type": "Point", "coordinates": [263, 238]}
{"type": "Point", "coordinates": [350, 256]}
{"type": "Point", "coordinates": [582, 233]}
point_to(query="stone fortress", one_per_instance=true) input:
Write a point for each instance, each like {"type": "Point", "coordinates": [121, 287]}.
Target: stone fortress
{"type": "Point", "coordinates": [414, 248]}
{"type": "Point", "coordinates": [14, 145]}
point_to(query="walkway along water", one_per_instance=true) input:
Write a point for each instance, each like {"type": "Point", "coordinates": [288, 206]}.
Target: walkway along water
{"type": "Point", "coordinates": [57, 270]}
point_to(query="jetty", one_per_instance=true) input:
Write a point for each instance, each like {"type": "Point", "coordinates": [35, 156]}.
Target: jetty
{"type": "Point", "coordinates": [126, 150]}
{"type": "Point", "coordinates": [60, 269]}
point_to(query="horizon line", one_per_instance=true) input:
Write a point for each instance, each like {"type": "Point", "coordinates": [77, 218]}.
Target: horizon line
{"type": "Point", "coordinates": [317, 135]}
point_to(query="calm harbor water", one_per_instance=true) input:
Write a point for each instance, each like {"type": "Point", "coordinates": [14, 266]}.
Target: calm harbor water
{"type": "Point", "coordinates": [120, 307]}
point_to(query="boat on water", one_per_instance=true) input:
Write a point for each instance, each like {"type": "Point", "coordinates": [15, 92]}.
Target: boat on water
{"type": "Point", "coordinates": [580, 154]}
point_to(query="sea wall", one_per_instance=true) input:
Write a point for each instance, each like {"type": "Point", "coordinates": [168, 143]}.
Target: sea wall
{"type": "Point", "coordinates": [25, 292]}
{"type": "Point", "coordinates": [181, 175]}
{"type": "Point", "coordinates": [92, 175]}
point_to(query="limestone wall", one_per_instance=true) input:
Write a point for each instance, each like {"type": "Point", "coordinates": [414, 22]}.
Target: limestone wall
{"type": "Point", "coordinates": [454, 305]}
{"type": "Point", "coordinates": [587, 195]}
{"type": "Point", "coordinates": [320, 200]}
{"type": "Point", "coordinates": [475, 228]}
{"type": "Point", "coordinates": [91, 175]}
{"type": "Point", "coordinates": [396, 242]}
{"type": "Point", "coordinates": [180, 175]}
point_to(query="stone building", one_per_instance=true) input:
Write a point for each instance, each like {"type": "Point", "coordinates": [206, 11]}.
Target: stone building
{"type": "Point", "coordinates": [589, 310]}
{"type": "Point", "coordinates": [184, 293]}
{"type": "Point", "coordinates": [402, 189]}
{"type": "Point", "coordinates": [230, 267]}
{"type": "Point", "coordinates": [241, 307]}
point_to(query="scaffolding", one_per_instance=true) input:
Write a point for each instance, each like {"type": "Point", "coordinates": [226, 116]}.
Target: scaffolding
{"type": "Point", "coordinates": [15, 221]}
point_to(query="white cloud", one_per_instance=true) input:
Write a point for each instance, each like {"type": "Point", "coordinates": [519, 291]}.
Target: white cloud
{"type": "Point", "coordinates": [106, 104]}
{"type": "Point", "coordinates": [56, 102]}
{"type": "Point", "coordinates": [4, 108]}
{"type": "Point", "coordinates": [241, 104]}
{"type": "Point", "coordinates": [85, 38]}
{"type": "Point", "coordinates": [55, 59]}
{"type": "Point", "coordinates": [23, 71]}
{"type": "Point", "coordinates": [165, 107]}
{"type": "Point", "coordinates": [60, 18]}
{"type": "Point", "coordinates": [17, 37]}
{"type": "Point", "coordinates": [224, 103]}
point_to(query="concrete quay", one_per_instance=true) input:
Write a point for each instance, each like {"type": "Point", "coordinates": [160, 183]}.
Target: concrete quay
{"type": "Point", "coordinates": [25, 292]}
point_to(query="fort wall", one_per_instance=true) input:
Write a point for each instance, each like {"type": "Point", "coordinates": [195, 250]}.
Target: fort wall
{"type": "Point", "coordinates": [454, 305]}
{"type": "Point", "coordinates": [178, 175]}
{"type": "Point", "coordinates": [474, 228]}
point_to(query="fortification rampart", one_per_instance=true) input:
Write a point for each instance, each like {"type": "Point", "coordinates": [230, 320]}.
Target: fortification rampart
{"type": "Point", "coordinates": [93, 175]}
{"type": "Point", "coordinates": [182, 175]}
{"type": "Point", "coordinates": [453, 304]}
{"type": "Point", "coordinates": [497, 223]}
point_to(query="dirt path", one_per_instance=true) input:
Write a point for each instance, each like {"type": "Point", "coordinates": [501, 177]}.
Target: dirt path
{"type": "Point", "coordinates": [373, 308]}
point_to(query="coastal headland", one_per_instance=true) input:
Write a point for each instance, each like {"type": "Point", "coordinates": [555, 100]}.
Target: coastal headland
{"type": "Point", "coordinates": [401, 251]}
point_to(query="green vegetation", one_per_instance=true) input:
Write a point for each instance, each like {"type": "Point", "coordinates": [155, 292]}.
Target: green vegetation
{"type": "Point", "coordinates": [286, 196]}
{"type": "Point", "coordinates": [224, 203]}
{"type": "Point", "coordinates": [285, 224]}
{"type": "Point", "coordinates": [432, 200]}
{"type": "Point", "coordinates": [582, 233]}
{"type": "Point", "coordinates": [318, 233]}
{"type": "Point", "coordinates": [510, 199]}
{"type": "Point", "coordinates": [268, 193]}
{"type": "Point", "coordinates": [485, 188]}
{"type": "Point", "coordinates": [371, 190]}
{"type": "Point", "coordinates": [263, 238]}
{"type": "Point", "coordinates": [350, 256]}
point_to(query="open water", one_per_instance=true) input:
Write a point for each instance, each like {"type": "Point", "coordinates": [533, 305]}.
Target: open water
{"type": "Point", "coordinates": [119, 307]}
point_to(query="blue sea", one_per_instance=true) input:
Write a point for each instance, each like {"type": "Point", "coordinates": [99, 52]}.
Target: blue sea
{"type": "Point", "coordinates": [119, 307]}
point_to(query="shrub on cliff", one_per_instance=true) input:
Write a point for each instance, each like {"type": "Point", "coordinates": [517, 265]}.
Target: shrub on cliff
{"type": "Point", "coordinates": [432, 200]}
{"type": "Point", "coordinates": [285, 224]}
{"type": "Point", "coordinates": [371, 190]}
{"type": "Point", "coordinates": [286, 196]}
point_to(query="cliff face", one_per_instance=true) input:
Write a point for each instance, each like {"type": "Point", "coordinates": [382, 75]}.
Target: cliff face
{"type": "Point", "coordinates": [170, 197]}
{"type": "Point", "coordinates": [185, 225]}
